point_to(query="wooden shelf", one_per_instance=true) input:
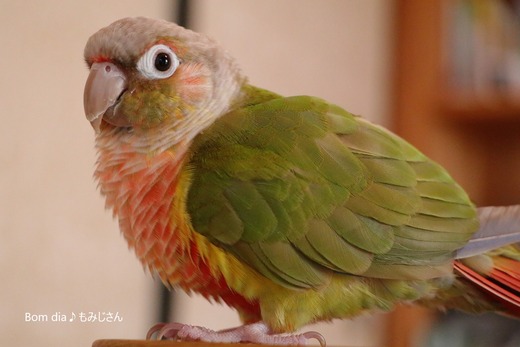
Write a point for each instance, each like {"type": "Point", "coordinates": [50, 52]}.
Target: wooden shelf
{"type": "Point", "coordinates": [491, 106]}
{"type": "Point", "coordinates": [473, 135]}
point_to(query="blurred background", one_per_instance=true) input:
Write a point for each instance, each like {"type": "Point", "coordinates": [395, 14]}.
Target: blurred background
{"type": "Point", "coordinates": [443, 74]}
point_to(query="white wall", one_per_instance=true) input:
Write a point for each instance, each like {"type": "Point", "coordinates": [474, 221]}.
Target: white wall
{"type": "Point", "coordinates": [336, 49]}
{"type": "Point", "coordinates": [59, 249]}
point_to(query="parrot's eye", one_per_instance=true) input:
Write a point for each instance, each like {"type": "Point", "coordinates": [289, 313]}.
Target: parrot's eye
{"type": "Point", "coordinates": [163, 62]}
{"type": "Point", "coordinates": [158, 62]}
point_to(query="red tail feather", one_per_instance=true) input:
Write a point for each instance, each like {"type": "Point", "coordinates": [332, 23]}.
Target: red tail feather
{"type": "Point", "coordinates": [509, 266]}
{"type": "Point", "coordinates": [502, 285]}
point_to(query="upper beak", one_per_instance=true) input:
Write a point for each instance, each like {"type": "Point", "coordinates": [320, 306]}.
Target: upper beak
{"type": "Point", "coordinates": [105, 84]}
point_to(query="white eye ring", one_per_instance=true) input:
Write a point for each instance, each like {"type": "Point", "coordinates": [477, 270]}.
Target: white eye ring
{"type": "Point", "coordinates": [158, 62]}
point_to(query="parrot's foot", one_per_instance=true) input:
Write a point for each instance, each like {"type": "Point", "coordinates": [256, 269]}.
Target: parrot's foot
{"type": "Point", "coordinates": [253, 333]}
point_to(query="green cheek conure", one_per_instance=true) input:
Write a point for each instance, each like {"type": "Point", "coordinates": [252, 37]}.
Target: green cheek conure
{"type": "Point", "coordinates": [291, 210]}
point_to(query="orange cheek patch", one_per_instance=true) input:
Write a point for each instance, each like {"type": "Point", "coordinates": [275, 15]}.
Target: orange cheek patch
{"type": "Point", "coordinates": [194, 84]}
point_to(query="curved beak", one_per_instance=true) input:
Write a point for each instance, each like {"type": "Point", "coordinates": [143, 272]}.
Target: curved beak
{"type": "Point", "coordinates": [103, 89]}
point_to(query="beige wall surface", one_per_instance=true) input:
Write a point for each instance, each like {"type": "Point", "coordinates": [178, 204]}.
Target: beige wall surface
{"type": "Point", "coordinates": [59, 250]}
{"type": "Point", "coordinates": [339, 50]}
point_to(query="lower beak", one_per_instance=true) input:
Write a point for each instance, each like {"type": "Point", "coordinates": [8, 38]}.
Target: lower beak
{"type": "Point", "coordinates": [103, 89]}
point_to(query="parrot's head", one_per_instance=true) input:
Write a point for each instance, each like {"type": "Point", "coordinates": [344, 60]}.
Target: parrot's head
{"type": "Point", "coordinates": [156, 82]}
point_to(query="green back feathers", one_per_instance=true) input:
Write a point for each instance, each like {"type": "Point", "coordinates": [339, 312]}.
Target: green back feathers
{"type": "Point", "coordinates": [300, 189]}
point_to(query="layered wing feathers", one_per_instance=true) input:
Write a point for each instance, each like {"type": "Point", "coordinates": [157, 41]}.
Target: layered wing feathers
{"type": "Point", "coordinates": [300, 189]}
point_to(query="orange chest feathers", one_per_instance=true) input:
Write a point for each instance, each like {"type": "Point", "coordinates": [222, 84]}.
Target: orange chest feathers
{"type": "Point", "coordinates": [147, 195]}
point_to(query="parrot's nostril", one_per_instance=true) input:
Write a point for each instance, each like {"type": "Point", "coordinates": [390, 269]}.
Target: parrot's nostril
{"type": "Point", "coordinates": [108, 68]}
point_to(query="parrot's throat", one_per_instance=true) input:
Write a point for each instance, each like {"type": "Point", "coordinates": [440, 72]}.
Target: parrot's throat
{"type": "Point", "coordinates": [147, 194]}
{"type": "Point", "coordinates": [139, 190]}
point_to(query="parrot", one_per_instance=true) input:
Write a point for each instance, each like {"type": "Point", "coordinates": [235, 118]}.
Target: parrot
{"type": "Point", "coordinates": [288, 209]}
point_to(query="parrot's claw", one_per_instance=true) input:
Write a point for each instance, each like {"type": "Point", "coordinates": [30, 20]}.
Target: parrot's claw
{"type": "Point", "coordinates": [155, 330]}
{"type": "Point", "coordinates": [253, 333]}
{"type": "Point", "coordinates": [315, 335]}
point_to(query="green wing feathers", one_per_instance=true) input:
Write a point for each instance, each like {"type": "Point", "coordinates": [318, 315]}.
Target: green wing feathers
{"type": "Point", "coordinates": [300, 189]}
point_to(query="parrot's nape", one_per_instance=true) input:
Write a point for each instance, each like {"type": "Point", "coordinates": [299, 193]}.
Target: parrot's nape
{"type": "Point", "coordinates": [291, 210]}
